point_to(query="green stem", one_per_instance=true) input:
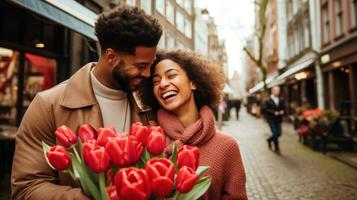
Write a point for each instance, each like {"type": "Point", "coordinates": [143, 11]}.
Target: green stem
{"type": "Point", "coordinates": [103, 192]}
{"type": "Point", "coordinates": [69, 171]}
{"type": "Point", "coordinates": [76, 153]}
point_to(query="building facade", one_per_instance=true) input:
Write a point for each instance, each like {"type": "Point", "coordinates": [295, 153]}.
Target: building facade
{"type": "Point", "coordinates": [339, 54]}
{"type": "Point", "coordinates": [177, 19]}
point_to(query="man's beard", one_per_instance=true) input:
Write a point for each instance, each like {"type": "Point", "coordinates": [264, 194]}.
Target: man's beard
{"type": "Point", "coordinates": [122, 80]}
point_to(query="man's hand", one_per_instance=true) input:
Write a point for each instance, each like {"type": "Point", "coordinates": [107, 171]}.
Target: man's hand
{"type": "Point", "coordinates": [276, 113]}
{"type": "Point", "coordinates": [281, 112]}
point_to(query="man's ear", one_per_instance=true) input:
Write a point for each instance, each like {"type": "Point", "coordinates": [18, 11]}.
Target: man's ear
{"type": "Point", "coordinates": [112, 57]}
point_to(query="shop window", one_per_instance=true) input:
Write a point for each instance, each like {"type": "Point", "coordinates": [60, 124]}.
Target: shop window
{"type": "Point", "coordinates": [40, 74]}
{"type": "Point", "coordinates": [341, 80]}
{"type": "Point", "coordinates": [354, 88]}
{"type": "Point", "coordinates": [9, 61]}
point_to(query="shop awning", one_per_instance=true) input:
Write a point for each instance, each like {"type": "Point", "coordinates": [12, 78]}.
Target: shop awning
{"type": "Point", "coordinates": [68, 13]}
{"type": "Point", "coordinates": [299, 65]}
{"type": "Point", "coordinates": [259, 86]}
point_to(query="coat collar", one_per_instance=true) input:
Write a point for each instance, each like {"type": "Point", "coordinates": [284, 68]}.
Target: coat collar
{"type": "Point", "coordinates": [79, 93]}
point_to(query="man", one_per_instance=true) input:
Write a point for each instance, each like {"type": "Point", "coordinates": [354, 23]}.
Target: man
{"type": "Point", "coordinates": [237, 104]}
{"type": "Point", "coordinates": [274, 110]}
{"type": "Point", "coordinates": [99, 94]}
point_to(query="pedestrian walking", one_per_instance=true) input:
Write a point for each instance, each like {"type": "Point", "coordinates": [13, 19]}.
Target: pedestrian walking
{"type": "Point", "coordinates": [99, 93]}
{"type": "Point", "coordinates": [274, 110]}
{"type": "Point", "coordinates": [237, 105]}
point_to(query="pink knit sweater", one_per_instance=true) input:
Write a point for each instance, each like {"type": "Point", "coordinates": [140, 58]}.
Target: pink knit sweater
{"type": "Point", "coordinates": [218, 150]}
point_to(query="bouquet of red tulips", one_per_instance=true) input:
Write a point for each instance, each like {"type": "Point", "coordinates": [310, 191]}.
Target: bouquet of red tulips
{"type": "Point", "coordinates": [127, 166]}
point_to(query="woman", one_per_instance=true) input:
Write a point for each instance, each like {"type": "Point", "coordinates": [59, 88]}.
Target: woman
{"type": "Point", "coordinates": [183, 89]}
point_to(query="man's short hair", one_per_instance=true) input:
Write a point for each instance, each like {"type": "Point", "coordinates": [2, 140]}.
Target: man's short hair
{"type": "Point", "coordinates": [124, 28]}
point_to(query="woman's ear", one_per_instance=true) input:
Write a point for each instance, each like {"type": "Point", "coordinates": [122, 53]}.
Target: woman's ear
{"type": "Point", "coordinates": [193, 86]}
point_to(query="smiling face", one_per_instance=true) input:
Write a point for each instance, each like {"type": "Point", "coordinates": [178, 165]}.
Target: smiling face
{"type": "Point", "coordinates": [172, 87]}
{"type": "Point", "coordinates": [132, 69]}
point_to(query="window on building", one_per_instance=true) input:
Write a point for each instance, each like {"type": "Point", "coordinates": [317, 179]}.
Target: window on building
{"type": "Point", "coordinates": [188, 6]}
{"type": "Point", "coordinates": [353, 8]}
{"type": "Point", "coordinates": [306, 32]}
{"type": "Point", "coordinates": [326, 25]}
{"type": "Point", "coordinates": [301, 36]}
{"type": "Point", "coordinates": [289, 9]}
{"type": "Point", "coordinates": [180, 2]}
{"type": "Point", "coordinates": [188, 28]}
{"type": "Point", "coordinates": [170, 41]}
{"type": "Point", "coordinates": [162, 41]}
{"type": "Point", "coordinates": [296, 41]}
{"type": "Point", "coordinates": [180, 22]}
{"type": "Point", "coordinates": [146, 5]}
{"type": "Point", "coordinates": [131, 2]}
{"type": "Point", "coordinates": [170, 15]}
{"type": "Point", "coordinates": [160, 6]}
{"type": "Point", "coordinates": [295, 6]}
{"type": "Point", "coordinates": [338, 17]}
{"type": "Point", "coordinates": [289, 47]}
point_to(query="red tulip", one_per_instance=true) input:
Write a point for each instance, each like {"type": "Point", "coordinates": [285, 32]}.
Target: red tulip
{"type": "Point", "coordinates": [156, 143]}
{"type": "Point", "coordinates": [140, 132]}
{"type": "Point", "coordinates": [95, 157]}
{"type": "Point", "coordinates": [188, 156]}
{"type": "Point", "coordinates": [112, 193]}
{"type": "Point", "coordinates": [66, 136]}
{"type": "Point", "coordinates": [132, 183]}
{"type": "Point", "coordinates": [186, 179]}
{"type": "Point", "coordinates": [157, 128]}
{"type": "Point", "coordinates": [104, 134]}
{"type": "Point", "coordinates": [161, 172]}
{"type": "Point", "coordinates": [124, 150]}
{"type": "Point", "coordinates": [58, 158]}
{"type": "Point", "coordinates": [87, 132]}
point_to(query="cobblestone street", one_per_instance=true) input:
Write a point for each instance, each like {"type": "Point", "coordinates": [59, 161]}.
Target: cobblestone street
{"type": "Point", "coordinates": [299, 173]}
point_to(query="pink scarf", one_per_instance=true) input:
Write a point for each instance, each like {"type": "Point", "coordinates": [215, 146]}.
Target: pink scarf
{"type": "Point", "coordinates": [196, 134]}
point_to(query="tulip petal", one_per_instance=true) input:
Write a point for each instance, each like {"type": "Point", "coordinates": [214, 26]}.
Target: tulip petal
{"type": "Point", "coordinates": [161, 186]}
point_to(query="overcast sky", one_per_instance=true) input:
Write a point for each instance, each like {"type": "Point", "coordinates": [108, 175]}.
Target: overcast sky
{"type": "Point", "coordinates": [235, 20]}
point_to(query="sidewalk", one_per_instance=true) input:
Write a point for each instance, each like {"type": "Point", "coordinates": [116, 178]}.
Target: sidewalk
{"type": "Point", "coordinates": [299, 173]}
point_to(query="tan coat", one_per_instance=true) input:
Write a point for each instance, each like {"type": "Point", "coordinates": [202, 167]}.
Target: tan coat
{"type": "Point", "coordinates": [70, 103]}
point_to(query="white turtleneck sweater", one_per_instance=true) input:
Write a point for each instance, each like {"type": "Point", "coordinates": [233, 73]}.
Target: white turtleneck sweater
{"type": "Point", "coordinates": [113, 104]}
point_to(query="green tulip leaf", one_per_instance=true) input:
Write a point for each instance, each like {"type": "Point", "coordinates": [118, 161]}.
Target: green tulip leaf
{"type": "Point", "coordinates": [75, 169]}
{"type": "Point", "coordinates": [174, 156]}
{"type": "Point", "coordinates": [197, 191]}
{"type": "Point", "coordinates": [201, 169]}
{"type": "Point", "coordinates": [45, 148]}
{"type": "Point", "coordinates": [86, 182]}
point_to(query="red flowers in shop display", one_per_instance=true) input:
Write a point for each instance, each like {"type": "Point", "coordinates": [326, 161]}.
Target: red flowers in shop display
{"type": "Point", "coordinates": [115, 166]}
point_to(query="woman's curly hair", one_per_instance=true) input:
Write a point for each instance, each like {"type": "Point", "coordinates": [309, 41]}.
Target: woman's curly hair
{"type": "Point", "coordinates": [124, 28]}
{"type": "Point", "coordinates": [208, 78]}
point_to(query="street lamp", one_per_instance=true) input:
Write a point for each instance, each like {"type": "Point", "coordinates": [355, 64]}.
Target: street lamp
{"type": "Point", "coordinates": [204, 13]}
